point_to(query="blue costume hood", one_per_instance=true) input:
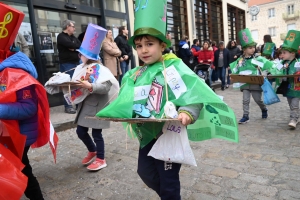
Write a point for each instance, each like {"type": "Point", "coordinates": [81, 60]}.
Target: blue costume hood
{"type": "Point", "coordinates": [19, 61]}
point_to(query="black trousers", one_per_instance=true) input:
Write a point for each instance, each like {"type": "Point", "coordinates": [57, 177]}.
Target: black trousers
{"type": "Point", "coordinates": [33, 190]}
{"type": "Point", "coordinates": [161, 176]}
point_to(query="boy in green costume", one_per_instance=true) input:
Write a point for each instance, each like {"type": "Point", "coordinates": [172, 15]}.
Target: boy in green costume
{"type": "Point", "coordinates": [146, 89]}
{"type": "Point", "coordinates": [248, 65]}
{"type": "Point", "coordinates": [290, 65]}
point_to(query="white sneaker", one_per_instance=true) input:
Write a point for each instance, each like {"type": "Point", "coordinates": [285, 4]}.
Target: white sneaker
{"type": "Point", "coordinates": [293, 123]}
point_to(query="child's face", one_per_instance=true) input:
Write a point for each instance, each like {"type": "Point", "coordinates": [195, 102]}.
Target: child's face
{"type": "Point", "coordinates": [286, 55]}
{"type": "Point", "coordinates": [149, 49]}
{"type": "Point", "coordinates": [83, 58]}
{"type": "Point", "coordinates": [249, 51]}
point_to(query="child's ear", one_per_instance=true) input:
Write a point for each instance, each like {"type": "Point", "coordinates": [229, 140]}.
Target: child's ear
{"type": "Point", "coordinates": [164, 46]}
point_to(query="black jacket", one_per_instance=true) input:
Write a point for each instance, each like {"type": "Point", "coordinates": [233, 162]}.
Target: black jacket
{"type": "Point", "coordinates": [123, 45]}
{"type": "Point", "coordinates": [234, 52]}
{"type": "Point", "coordinates": [226, 58]}
{"type": "Point", "coordinates": [66, 42]}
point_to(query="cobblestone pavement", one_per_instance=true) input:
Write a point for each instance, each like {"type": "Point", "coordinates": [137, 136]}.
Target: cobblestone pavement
{"type": "Point", "coordinates": [265, 164]}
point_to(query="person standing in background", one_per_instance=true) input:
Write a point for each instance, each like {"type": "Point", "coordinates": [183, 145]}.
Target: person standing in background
{"type": "Point", "coordinates": [111, 52]}
{"type": "Point", "coordinates": [184, 51]}
{"type": "Point", "coordinates": [121, 41]}
{"type": "Point", "coordinates": [234, 54]}
{"type": "Point", "coordinates": [169, 49]}
{"type": "Point", "coordinates": [221, 62]}
{"type": "Point", "coordinates": [267, 39]}
{"type": "Point", "coordinates": [67, 44]}
{"type": "Point", "coordinates": [21, 43]}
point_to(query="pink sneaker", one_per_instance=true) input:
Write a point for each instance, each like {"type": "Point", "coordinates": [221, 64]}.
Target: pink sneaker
{"type": "Point", "coordinates": [89, 158]}
{"type": "Point", "coordinates": [97, 164]}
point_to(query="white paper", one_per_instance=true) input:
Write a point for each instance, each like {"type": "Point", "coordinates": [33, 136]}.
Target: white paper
{"type": "Point", "coordinates": [175, 81]}
{"type": "Point", "coordinates": [258, 63]}
{"type": "Point", "coordinates": [279, 66]}
{"type": "Point", "coordinates": [141, 92]}
{"type": "Point", "coordinates": [246, 72]}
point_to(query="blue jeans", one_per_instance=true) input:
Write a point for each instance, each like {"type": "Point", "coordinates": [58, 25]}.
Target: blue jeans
{"type": "Point", "coordinates": [161, 176]}
{"type": "Point", "coordinates": [124, 69]}
{"type": "Point", "coordinates": [228, 77]}
{"type": "Point", "coordinates": [82, 133]}
{"type": "Point", "coordinates": [65, 67]}
{"type": "Point", "coordinates": [221, 71]}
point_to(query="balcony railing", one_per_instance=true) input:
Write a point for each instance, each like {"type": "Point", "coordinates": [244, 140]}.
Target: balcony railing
{"type": "Point", "coordinates": [282, 36]}
{"type": "Point", "coordinates": [287, 16]}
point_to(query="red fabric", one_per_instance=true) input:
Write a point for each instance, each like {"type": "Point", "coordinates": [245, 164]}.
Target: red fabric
{"type": "Point", "coordinates": [205, 55]}
{"type": "Point", "coordinates": [13, 182]}
{"type": "Point", "coordinates": [195, 53]}
{"type": "Point", "coordinates": [16, 79]}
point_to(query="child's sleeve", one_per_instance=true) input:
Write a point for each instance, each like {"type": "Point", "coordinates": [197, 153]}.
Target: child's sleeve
{"type": "Point", "coordinates": [233, 67]}
{"type": "Point", "coordinates": [25, 106]}
{"type": "Point", "coordinates": [101, 88]}
{"type": "Point", "coordinates": [193, 111]}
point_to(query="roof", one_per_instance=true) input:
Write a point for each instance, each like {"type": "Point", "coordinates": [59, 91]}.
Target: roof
{"type": "Point", "coordinates": [259, 2]}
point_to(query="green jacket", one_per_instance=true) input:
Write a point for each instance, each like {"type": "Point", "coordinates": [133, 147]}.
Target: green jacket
{"type": "Point", "coordinates": [290, 71]}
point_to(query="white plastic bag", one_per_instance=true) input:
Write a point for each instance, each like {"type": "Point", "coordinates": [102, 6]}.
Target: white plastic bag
{"type": "Point", "coordinates": [59, 78]}
{"type": "Point", "coordinates": [173, 145]}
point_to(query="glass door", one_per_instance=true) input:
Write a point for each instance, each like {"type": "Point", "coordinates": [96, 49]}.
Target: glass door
{"type": "Point", "coordinates": [48, 25]}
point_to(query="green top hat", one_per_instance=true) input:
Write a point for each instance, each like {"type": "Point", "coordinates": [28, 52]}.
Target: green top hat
{"type": "Point", "coordinates": [246, 38]}
{"type": "Point", "coordinates": [150, 19]}
{"type": "Point", "coordinates": [268, 49]}
{"type": "Point", "coordinates": [292, 41]}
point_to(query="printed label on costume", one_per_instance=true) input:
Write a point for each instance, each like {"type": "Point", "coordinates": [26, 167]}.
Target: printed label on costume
{"type": "Point", "coordinates": [155, 97]}
{"type": "Point", "coordinates": [68, 98]}
{"type": "Point", "coordinates": [246, 72]}
{"type": "Point", "coordinates": [258, 63]}
{"type": "Point", "coordinates": [234, 70]}
{"type": "Point", "coordinates": [168, 165]}
{"type": "Point", "coordinates": [297, 66]}
{"type": "Point", "coordinates": [279, 66]}
{"type": "Point", "coordinates": [27, 94]}
{"type": "Point", "coordinates": [175, 81]}
{"type": "Point", "coordinates": [141, 92]}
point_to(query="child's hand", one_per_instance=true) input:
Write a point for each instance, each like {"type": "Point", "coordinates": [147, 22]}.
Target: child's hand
{"type": "Point", "coordinates": [84, 84]}
{"type": "Point", "coordinates": [184, 118]}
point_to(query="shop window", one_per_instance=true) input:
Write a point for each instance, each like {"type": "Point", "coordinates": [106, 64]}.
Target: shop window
{"type": "Point", "coordinates": [113, 24]}
{"type": "Point", "coordinates": [115, 5]}
{"type": "Point", "coordinates": [92, 3]}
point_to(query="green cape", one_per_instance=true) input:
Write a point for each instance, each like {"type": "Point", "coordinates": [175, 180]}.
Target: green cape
{"type": "Point", "coordinates": [216, 119]}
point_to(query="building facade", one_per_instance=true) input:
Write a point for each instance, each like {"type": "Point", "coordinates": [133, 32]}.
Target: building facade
{"type": "Point", "coordinates": [217, 20]}
{"type": "Point", "coordinates": [276, 18]}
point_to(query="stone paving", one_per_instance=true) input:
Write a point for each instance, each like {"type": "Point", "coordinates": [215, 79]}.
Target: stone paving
{"type": "Point", "coordinates": [265, 165]}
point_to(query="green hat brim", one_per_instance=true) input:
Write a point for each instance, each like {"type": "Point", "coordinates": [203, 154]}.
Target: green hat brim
{"type": "Point", "coordinates": [250, 45]}
{"type": "Point", "coordinates": [149, 31]}
{"type": "Point", "coordinates": [289, 49]}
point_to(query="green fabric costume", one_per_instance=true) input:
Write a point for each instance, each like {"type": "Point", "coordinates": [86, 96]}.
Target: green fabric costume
{"type": "Point", "coordinates": [242, 64]}
{"type": "Point", "coordinates": [143, 93]}
{"type": "Point", "coordinates": [288, 69]}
